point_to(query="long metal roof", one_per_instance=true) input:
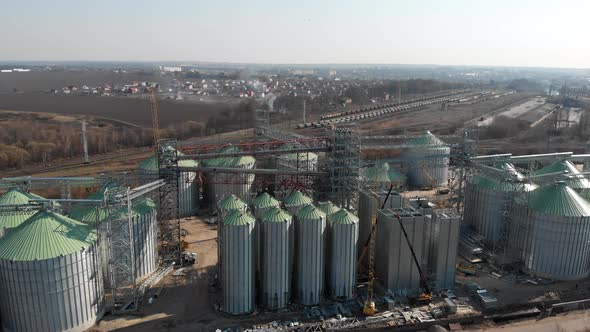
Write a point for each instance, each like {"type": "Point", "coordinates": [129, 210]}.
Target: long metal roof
{"type": "Point", "coordinates": [265, 200]}
{"type": "Point", "coordinates": [558, 199]}
{"type": "Point", "coordinates": [310, 212]}
{"type": "Point", "coordinates": [297, 198]}
{"type": "Point", "coordinates": [239, 218]}
{"type": "Point", "coordinates": [343, 217]}
{"type": "Point", "coordinates": [46, 235]}
{"type": "Point", "coordinates": [276, 214]}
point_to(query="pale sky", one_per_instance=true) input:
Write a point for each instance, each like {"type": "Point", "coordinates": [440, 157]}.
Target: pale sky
{"type": "Point", "coordinates": [550, 33]}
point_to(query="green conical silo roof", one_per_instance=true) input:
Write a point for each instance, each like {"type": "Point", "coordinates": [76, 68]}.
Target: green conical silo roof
{"type": "Point", "coordinates": [310, 212]}
{"type": "Point", "coordinates": [343, 217]}
{"type": "Point", "coordinates": [328, 207]}
{"type": "Point", "coordinates": [229, 161]}
{"type": "Point", "coordinates": [144, 206]}
{"type": "Point", "coordinates": [507, 185]}
{"type": "Point", "coordinates": [381, 172]}
{"type": "Point", "coordinates": [297, 198]}
{"type": "Point", "coordinates": [558, 199]}
{"type": "Point", "coordinates": [238, 218]}
{"type": "Point", "coordinates": [567, 168]}
{"type": "Point", "coordinates": [265, 200]}
{"type": "Point", "coordinates": [232, 202]}
{"type": "Point", "coordinates": [15, 196]}
{"type": "Point", "coordinates": [46, 235]}
{"type": "Point", "coordinates": [426, 139]}
{"type": "Point", "coordinates": [92, 213]}
{"type": "Point", "coordinates": [276, 214]}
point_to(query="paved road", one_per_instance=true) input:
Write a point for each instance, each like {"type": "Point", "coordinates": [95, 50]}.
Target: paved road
{"type": "Point", "coordinates": [578, 321]}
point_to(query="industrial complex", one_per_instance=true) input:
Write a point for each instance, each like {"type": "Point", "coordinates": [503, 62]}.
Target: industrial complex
{"type": "Point", "coordinates": [319, 226]}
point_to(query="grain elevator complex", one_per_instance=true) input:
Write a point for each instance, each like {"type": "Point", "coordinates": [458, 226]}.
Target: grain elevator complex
{"type": "Point", "coordinates": [335, 224]}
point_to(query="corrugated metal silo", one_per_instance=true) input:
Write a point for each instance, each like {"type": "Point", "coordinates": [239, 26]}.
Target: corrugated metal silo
{"type": "Point", "coordinates": [263, 203]}
{"type": "Point", "coordinates": [226, 206]}
{"type": "Point", "coordinates": [145, 235]}
{"type": "Point", "coordinates": [369, 202]}
{"type": "Point", "coordinates": [343, 230]}
{"type": "Point", "coordinates": [188, 186]}
{"type": "Point", "coordinates": [239, 263]}
{"type": "Point", "coordinates": [310, 244]}
{"type": "Point", "coordinates": [220, 185]}
{"type": "Point", "coordinates": [427, 161]}
{"type": "Point", "coordinates": [276, 258]}
{"type": "Point", "coordinates": [381, 176]}
{"type": "Point", "coordinates": [551, 233]}
{"type": "Point", "coordinates": [304, 161]}
{"type": "Point", "coordinates": [395, 267]}
{"type": "Point", "coordinates": [487, 200]}
{"type": "Point", "coordinates": [443, 249]}
{"type": "Point", "coordinates": [295, 201]}
{"type": "Point", "coordinates": [10, 219]}
{"type": "Point", "coordinates": [49, 278]}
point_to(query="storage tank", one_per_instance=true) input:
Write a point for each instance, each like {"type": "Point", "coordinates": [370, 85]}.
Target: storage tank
{"type": "Point", "coordinates": [488, 199]}
{"type": "Point", "coordinates": [220, 185]}
{"type": "Point", "coordinates": [238, 263]}
{"type": "Point", "coordinates": [61, 289]}
{"type": "Point", "coordinates": [343, 232]}
{"type": "Point", "coordinates": [295, 201]}
{"type": "Point", "coordinates": [395, 268]}
{"type": "Point", "coordinates": [580, 184]}
{"type": "Point", "coordinates": [369, 202]}
{"type": "Point", "coordinates": [552, 232]}
{"type": "Point", "coordinates": [276, 258]}
{"type": "Point", "coordinates": [145, 235]}
{"type": "Point", "coordinates": [230, 204]}
{"type": "Point", "coordinates": [443, 250]}
{"type": "Point", "coordinates": [263, 203]}
{"type": "Point", "coordinates": [304, 161]}
{"type": "Point", "coordinates": [11, 218]}
{"type": "Point", "coordinates": [310, 244]}
{"type": "Point", "coordinates": [188, 185]}
{"type": "Point", "coordinates": [427, 161]}
{"type": "Point", "coordinates": [381, 176]}
{"type": "Point", "coordinates": [328, 208]}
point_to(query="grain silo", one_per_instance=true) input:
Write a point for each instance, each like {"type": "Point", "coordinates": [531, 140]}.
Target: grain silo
{"type": "Point", "coordinates": [443, 247]}
{"type": "Point", "coordinates": [145, 236]}
{"type": "Point", "coordinates": [328, 207]}
{"type": "Point", "coordinates": [239, 263]}
{"type": "Point", "coordinates": [188, 185]}
{"type": "Point", "coordinates": [551, 232]}
{"type": "Point", "coordinates": [220, 185]}
{"type": "Point", "coordinates": [310, 244]}
{"type": "Point", "coordinates": [263, 203]}
{"type": "Point", "coordinates": [488, 198]}
{"type": "Point", "coordinates": [276, 258]}
{"type": "Point", "coordinates": [427, 161]}
{"type": "Point", "coordinates": [381, 176]}
{"type": "Point", "coordinates": [343, 232]}
{"type": "Point", "coordinates": [48, 275]}
{"type": "Point", "coordinates": [11, 218]}
{"type": "Point", "coordinates": [369, 202]}
{"type": "Point", "coordinates": [230, 204]}
{"type": "Point", "coordinates": [304, 161]}
{"type": "Point", "coordinates": [395, 267]}
{"type": "Point", "coordinates": [295, 201]}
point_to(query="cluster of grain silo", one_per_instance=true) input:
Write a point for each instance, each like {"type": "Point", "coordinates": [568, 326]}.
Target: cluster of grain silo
{"type": "Point", "coordinates": [488, 198]}
{"type": "Point", "coordinates": [188, 185]}
{"type": "Point", "coordinates": [551, 232]}
{"type": "Point", "coordinates": [144, 228]}
{"type": "Point", "coordinates": [48, 275]}
{"type": "Point", "coordinates": [295, 201]}
{"type": "Point", "coordinates": [427, 161]}
{"type": "Point", "coordinates": [219, 185]}
{"type": "Point", "coordinates": [381, 176]}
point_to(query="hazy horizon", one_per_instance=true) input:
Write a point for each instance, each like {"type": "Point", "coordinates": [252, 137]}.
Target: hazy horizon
{"type": "Point", "coordinates": [501, 33]}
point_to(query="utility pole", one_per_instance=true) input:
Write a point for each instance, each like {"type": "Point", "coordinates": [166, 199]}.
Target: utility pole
{"type": "Point", "coordinates": [399, 94]}
{"type": "Point", "coordinates": [85, 142]}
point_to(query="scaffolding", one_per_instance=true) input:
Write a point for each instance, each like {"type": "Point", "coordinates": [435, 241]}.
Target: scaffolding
{"type": "Point", "coordinates": [344, 166]}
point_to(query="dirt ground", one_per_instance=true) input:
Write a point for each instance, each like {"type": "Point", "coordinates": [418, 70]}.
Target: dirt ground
{"type": "Point", "coordinates": [578, 321]}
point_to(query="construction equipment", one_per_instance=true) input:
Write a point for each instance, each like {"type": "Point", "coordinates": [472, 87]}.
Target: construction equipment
{"type": "Point", "coordinates": [426, 296]}
{"type": "Point", "coordinates": [466, 269]}
{"type": "Point", "coordinates": [370, 309]}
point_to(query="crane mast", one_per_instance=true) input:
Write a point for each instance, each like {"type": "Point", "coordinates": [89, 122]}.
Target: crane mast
{"type": "Point", "coordinates": [155, 122]}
